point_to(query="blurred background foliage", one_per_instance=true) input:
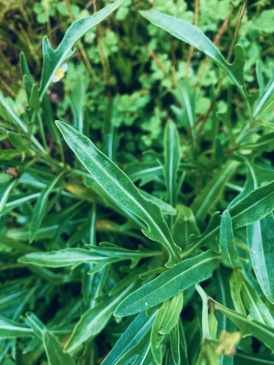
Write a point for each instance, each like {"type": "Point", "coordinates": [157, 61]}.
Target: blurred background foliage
{"type": "Point", "coordinates": [131, 71]}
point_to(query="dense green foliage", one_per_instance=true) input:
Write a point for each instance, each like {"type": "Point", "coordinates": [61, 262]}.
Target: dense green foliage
{"type": "Point", "coordinates": [137, 193]}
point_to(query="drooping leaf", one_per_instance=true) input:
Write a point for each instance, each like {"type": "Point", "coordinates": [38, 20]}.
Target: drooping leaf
{"type": "Point", "coordinates": [195, 37]}
{"type": "Point", "coordinates": [120, 189]}
{"type": "Point", "coordinates": [170, 283]}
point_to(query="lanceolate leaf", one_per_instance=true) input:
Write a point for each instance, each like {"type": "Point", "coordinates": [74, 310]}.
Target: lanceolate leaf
{"type": "Point", "coordinates": [172, 161]}
{"type": "Point", "coordinates": [212, 190]}
{"type": "Point", "coordinates": [229, 252]}
{"type": "Point", "coordinates": [95, 319]}
{"type": "Point", "coordinates": [12, 329]}
{"type": "Point", "coordinates": [54, 350]}
{"type": "Point", "coordinates": [170, 283]}
{"type": "Point", "coordinates": [247, 326]}
{"type": "Point", "coordinates": [192, 35]}
{"type": "Point", "coordinates": [261, 249]}
{"type": "Point", "coordinates": [40, 208]}
{"type": "Point", "coordinates": [120, 189]}
{"type": "Point", "coordinates": [99, 255]}
{"type": "Point", "coordinates": [53, 59]}
{"type": "Point", "coordinates": [253, 207]}
{"type": "Point", "coordinates": [130, 339]}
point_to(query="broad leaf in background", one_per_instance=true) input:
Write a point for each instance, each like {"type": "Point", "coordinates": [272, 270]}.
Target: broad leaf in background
{"type": "Point", "coordinates": [53, 59]}
{"type": "Point", "coordinates": [192, 35]}
{"type": "Point", "coordinates": [119, 188]}
{"type": "Point", "coordinates": [170, 283]}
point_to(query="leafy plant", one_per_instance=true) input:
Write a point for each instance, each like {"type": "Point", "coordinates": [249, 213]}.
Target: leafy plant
{"type": "Point", "coordinates": [116, 255]}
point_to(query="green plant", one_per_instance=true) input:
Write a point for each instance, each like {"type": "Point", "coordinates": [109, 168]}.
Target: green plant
{"type": "Point", "coordinates": [174, 269]}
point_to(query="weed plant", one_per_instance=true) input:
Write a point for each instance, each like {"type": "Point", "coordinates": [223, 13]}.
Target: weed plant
{"type": "Point", "coordinates": [137, 184]}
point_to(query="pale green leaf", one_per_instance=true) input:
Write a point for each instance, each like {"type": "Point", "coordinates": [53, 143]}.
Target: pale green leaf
{"type": "Point", "coordinates": [120, 189]}
{"type": "Point", "coordinates": [12, 329]}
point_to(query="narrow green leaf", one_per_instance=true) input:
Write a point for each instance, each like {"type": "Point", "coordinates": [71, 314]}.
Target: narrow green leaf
{"type": "Point", "coordinates": [175, 344]}
{"type": "Point", "coordinates": [255, 306]}
{"type": "Point", "coordinates": [5, 190]}
{"type": "Point", "coordinates": [212, 190]}
{"type": "Point", "coordinates": [228, 250]}
{"type": "Point", "coordinates": [98, 255]}
{"type": "Point", "coordinates": [41, 208]}
{"type": "Point", "coordinates": [185, 96]}
{"type": "Point", "coordinates": [171, 314]}
{"type": "Point", "coordinates": [138, 355]}
{"type": "Point", "coordinates": [95, 319]}
{"type": "Point", "coordinates": [53, 59]}
{"type": "Point", "coordinates": [170, 283]}
{"type": "Point", "coordinates": [131, 338]}
{"type": "Point", "coordinates": [54, 350]}
{"type": "Point", "coordinates": [156, 338]}
{"type": "Point", "coordinates": [193, 36]}
{"type": "Point", "coordinates": [18, 142]}
{"type": "Point", "coordinates": [247, 326]}
{"type": "Point", "coordinates": [12, 115]}
{"type": "Point", "coordinates": [254, 206]}
{"type": "Point", "coordinates": [120, 189]}
{"type": "Point", "coordinates": [260, 241]}
{"type": "Point", "coordinates": [184, 226]}
{"type": "Point", "coordinates": [250, 359]}
{"type": "Point", "coordinates": [12, 329]}
{"type": "Point", "coordinates": [207, 238]}
{"type": "Point", "coordinates": [171, 161]}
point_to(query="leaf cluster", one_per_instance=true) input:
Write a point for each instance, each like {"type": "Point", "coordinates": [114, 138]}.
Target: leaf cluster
{"type": "Point", "coordinates": [136, 195]}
